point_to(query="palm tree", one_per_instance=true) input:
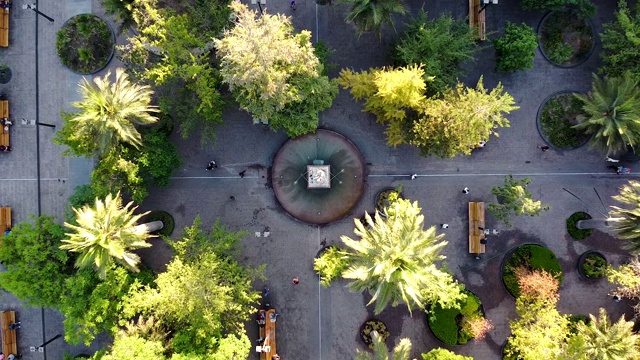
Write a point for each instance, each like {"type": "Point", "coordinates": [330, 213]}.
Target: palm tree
{"type": "Point", "coordinates": [395, 260]}
{"type": "Point", "coordinates": [613, 113]}
{"type": "Point", "coordinates": [106, 232]}
{"type": "Point", "coordinates": [601, 340]}
{"type": "Point", "coordinates": [371, 15]}
{"type": "Point", "coordinates": [381, 352]}
{"type": "Point", "coordinates": [109, 112]}
{"type": "Point", "coordinates": [626, 221]}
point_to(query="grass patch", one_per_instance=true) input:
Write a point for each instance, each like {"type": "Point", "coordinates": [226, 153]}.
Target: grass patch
{"type": "Point", "coordinates": [558, 116]}
{"type": "Point", "coordinates": [533, 257]}
{"type": "Point", "coordinates": [447, 324]}
{"type": "Point", "coordinates": [85, 43]}
{"type": "Point", "coordinates": [566, 38]}
{"type": "Point", "coordinates": [572, 221]}
{"type": "Point", "coordinates": [165, 217]}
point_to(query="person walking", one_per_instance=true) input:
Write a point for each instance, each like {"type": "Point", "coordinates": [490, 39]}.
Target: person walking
{"type": "Point", "coordinates": [465, 190]}
{"type": "Point", "coordinates": [212, 164]}
{"type": "Point", "coordinates": [241, 173]}
{"type": "Point", "coordinates": [293, 5]}
{"type": "Point", "coordinates": [295, 281]}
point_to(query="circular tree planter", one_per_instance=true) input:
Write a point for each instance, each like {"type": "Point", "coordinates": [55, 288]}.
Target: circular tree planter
{"type": "Point", "coordinates": [382, 199]}
{"type": "Point", "coordinates": [566, 38]}
{"type": "Point", "coordinates": [371, 325]}
{"type": "Point", "coordinates": [5, 74]}
{"type": "Point", "coordinates": [572, 228]}
{"type": "Point", "coordinates": [556, 116]}
{"type": "Point", "coordinates": [85, 44]}
{"type": "Point", "coordinates": [165, 217]}
{"type": "Point", "coordinates": [448, 325]}
{"type": "Point", "coordinates": [592, 265]}
{"type": "Point", "coordinates": [532, 257]}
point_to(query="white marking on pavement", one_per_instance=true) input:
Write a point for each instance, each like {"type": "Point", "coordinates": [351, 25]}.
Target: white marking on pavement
{"type": "Point", "coordinates": [319, 306]}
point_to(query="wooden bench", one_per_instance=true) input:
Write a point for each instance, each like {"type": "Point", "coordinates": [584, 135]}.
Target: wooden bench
{"type": "Point", "coordinates": [4, 113]}
{"type": "Point", "coordinates": [5, 220]}
{"type": "Point", "coordinates": [476, 228]}
{"type": "Point", "coordinates": [268, 332]}
{"type": "Point", "coordinates": [9, 343]}
{"type": "Point", "coordinates": [477, 19]}
{"type": "Point", "coordinates": [4, 27]}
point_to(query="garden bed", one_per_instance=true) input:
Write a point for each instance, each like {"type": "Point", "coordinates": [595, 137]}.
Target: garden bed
{"type": "Point", "coordinates": [532, 257]}
{"type": "Point", "coordinates": [572, 227]}
{"type": "Point", "coordinates": [557, 116]}
{"type": "Point", "coordinates": [371, 325]}
{"type": "Point", "coordinates": [592, 265]}
{"type": "Point", "coordinates": [85, 44]}
{"type": "Point", "coordinates": [566, 38]}
{"type": "Point", "coordinates": [167, 221]}
{"type": "Point", "coordinates": [383, 198]}
{"type": "Point", "coordinates": [448, 325]}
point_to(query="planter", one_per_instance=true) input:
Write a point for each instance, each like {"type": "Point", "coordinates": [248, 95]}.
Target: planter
{"type": "Point", "coordinates": [448, 325]}
{"type": "Point", "coordinates": [371, 325]}
{"type": "Point", "coordinates": [382, 199]}
{"type": "Point", "coordinates": [555, 118]}
{"type": "Point", "coordinates": [85, 44]}
{"type": "Point", "coordinates": [572, 228]}
{"type": "Point", "coordinates": [167, 221]}
{"type": "Point", "coordinates": [592, 265]}
{"type": "Point", "coordinates": [531, 256]}
{"type": "Point", "coordinates": [566, 38]}
{"type": "Point", "coordinates": [5, 74]}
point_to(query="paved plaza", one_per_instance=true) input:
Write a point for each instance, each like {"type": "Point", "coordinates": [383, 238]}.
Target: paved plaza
{"type": "Point", "coordinates": [318, 323]}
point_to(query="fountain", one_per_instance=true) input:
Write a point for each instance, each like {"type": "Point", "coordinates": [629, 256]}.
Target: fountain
{"type": "Point", "coordinates": [318, 178]}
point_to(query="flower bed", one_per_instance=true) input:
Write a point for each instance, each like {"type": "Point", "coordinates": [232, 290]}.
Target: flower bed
{"type": "Point", "coordinates": [572, 221]}
{"type": "Point", "coordinates": [85, 44]}
{"type": "Point", "coordinates": [556, 118]}
{"type": "Point", "coordinates": [532, 257]}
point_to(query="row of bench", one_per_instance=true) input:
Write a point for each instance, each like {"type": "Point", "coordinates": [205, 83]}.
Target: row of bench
{"type": "Point", "coordinates": [9, 338]}
{"type": "Point", "coordinates": [4, 130]}
{"type": "Point", "coordinates": [4, 27]}
{"type": "Point", "coordinates": [477, 18]}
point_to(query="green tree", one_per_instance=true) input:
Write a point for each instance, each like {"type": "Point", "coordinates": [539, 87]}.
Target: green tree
{"type": "Point", "coordinates": [443, 354]}
{"type": "Point", "coordinates": [392, 95]}
{"type": "Point", "coordinates": [204, 298]}
{"type": "Point", "coordinates": [402, 351]}
{"type": "Point", "coordinates": [441, 46]}
{"type": "Point", "coordinates": [460, 120]}
{"type": "Point", "coordinates": [621, 43]}
{"type": "Point", "coordinates": [106, 232]}
{"type": "Point", "coordinates": [108, 113]}
{"type": "Point", "coordinates": [602, 340]}
{"type": "Point", "coordinates": [626, 221]}
{"type": "Point", "coordinates": [92, 305]}
{"type": "Point", "coordinates": [36, 267]}
{"type": "Point", "coordinates": [372, 15]}
{"type": "Point", "coordinates": [172, 51]}
{"type": "Point", "coordinates": [627, 279]}
{"type": "Point", "coordinates": [584, 6]}
{"type": "Point", "coordinates": [515, 49]}
{"type": "Point", "coordinates": [330, 265]}
{"type": "Point", "coordinates": [540, 332]}
{"type": "Point", "coordinates": [514, 199]}
{"type": "Point", "coordinates": [613, 113]}
{"type": "Point", "coordinates": [395, 259]}
{"type": "Point", "coordinates": [274, 73]}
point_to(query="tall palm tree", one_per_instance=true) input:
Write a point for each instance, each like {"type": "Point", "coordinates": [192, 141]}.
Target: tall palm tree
{"type": "Point", "coordinates": [395, 260]}
{"type": "Point", "coordinates": [109, 111]}
{"type": "Point", "coordinates": [371, 15]}
{"type": "Point", "coordinates": [601, 340]}
{"type": "Point", "coordinates": [381, 352]}
{"type": "Point", "coordinates": [626, 221]}
{"type": "Point", "coordinates": [107, 232]}
{"type": "Point", "coordinates": [613, 113]}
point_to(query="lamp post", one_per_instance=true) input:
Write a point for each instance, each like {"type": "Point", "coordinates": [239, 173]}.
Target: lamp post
{"type": "Point", "coordinates": [33, 7]}
{"type": "Point", "coordinates": [486, 3]}
{"type": "Point", "coordinates": [260, 3]}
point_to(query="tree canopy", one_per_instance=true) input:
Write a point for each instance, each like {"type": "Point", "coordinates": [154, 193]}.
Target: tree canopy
{"type": "Point", "coordinates": [621, 42]}
{"type": "Point", "coordinates": [515, 49]}
{"type": "Point", "coordinates": [514, 198]}
{"type": "Point", "coordinates": [273, 73]}
{"type": "Point", "coordinates": [626, 220]}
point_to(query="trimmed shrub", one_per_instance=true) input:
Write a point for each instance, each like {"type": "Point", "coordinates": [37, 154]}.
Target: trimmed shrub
{"type": "Point", "coordinates": [448, 325]}
{"type": "Point", "coordinates": [572, 221]}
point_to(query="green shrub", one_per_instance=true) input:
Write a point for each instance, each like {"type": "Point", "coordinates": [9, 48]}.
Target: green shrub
{"type": "Point", "coordinates": [330, 265]}
{"type": "Point", "coordinates": [515, 50]}
{"type": "Point", "coordinates": [557, 117]}
{"type": "Point", "coordinates": [566, 37]}
{"type": "Point", "coordinates": [572, 221]}
{"type": "Point", "coordinates": [446, 324]}
{"type": "Point", "coordinates": [574, 320]}
{"type": "Point", "coordinates": [594, 266]}
{"type": "Point", "coordinates": [533, 257]}
{"type": "Point", "coordinates": [585, 7]}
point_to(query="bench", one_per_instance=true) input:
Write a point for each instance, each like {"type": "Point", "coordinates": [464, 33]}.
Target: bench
{"type": "Point", "coordinates": [477, 19]}
{"type": "Point", "coordinates": [4, 27]}
{"type": "Point", "coordinates": [4, 113]}
{"type": "Point", "coordinates": [5, 220]}
{"type": "Point", "coordinates": [9, 343]}
{"type": "Point", "coordinates": [268, 332]}
{"type": "Point", "coordinates": [476, 228]}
